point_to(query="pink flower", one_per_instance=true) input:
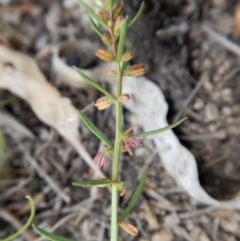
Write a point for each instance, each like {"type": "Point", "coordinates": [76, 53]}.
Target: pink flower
{"type": "Point", "coordinates": [130, 141]}
{"type": "Point", "coordinates": [101, 159]}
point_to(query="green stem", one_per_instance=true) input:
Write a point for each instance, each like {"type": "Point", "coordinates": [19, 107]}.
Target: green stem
{"type": "Point", "coordinates": [115, 192]}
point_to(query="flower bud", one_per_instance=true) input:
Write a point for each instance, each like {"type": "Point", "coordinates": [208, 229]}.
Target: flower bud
{"type": "Point", "coordinates": [111, 73]}
{"type": "Point", "coordinates": [104, 103]}
{"type": "Point", "coordinates": [103, 16]}
{"type": "Point", "coordinates": [118, 25]}
{"type": "Point", "coordinates": [117, 11]}
{"type": "Point", "coordinates": [123, 98]}
{"type": "Point", "coordinates": [106, 39]}
{"type": "Point", "coordinates": [126, 56]}
{"type": "Point", "coordinates": [135, 70]}
{"type": "Point", "coordinates": [129, 228]}
{"type": "Point", "coordinates": [110, 23]}
{"type": "Point", "coordinates": [105, 55]}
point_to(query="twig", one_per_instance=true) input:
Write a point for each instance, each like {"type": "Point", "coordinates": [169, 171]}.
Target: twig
{"type": "Point", "coordinates": [101, 233]}
{"type": "Point", "coordinates": [16, 188]}
{"type": "Point", "coordinates": [9, 217]}
{"type": "Point", "coordinates": [173, 30]}
{"type": "Point", "coordinates": [21, 9]}
{"type": "Point", "coordinates": [216, 223]}
{"type": "Point", "coordinates": [162, 201]}
{"type": "Point", "coordinates": [44, 175]}
{"type": "Point", "coordinates": [198, 137]}
{"type": "Point", "coordinates": [189, 99]}
{"type": "Point", "coordinates": [146, 164]}
{"type": "Point", "coordinates": [222, 40]}
{"type": "Point", "coordinates": [196, 213]}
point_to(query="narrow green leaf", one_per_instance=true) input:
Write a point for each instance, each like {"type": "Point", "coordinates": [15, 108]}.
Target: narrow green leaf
{"type": "Point", "coordinates": [26, 225]}
{"type": "Point", "coordinates": [91, 183]}
{"type": "Point", "coordinates": [93, 14]}
{"type": "Point", "coordinates": [122, 38]}
{"type": "Point", "coordinates": [98, 133]}
{"type": "Point", "coordinates": [135, 196]}
{"type": "Point", "coordinates": [50, 236]}
{"type": "Point", "coordinates": [93, 83]}
{"type": "Point", "coordinates": [166, 128]}
{"type": "Point", "coordinates": [129, 49]}
{"type": "Point", "coordinates": [95, 27]}
{"type": "Point", "coordinates": [134, 20]}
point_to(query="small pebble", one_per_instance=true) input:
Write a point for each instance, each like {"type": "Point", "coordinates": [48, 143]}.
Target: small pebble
{"type": "Point", "coordinates": [230, 226]}
{"type": "Point", "coordinates": [164, 234]}
{"type": "Point", "coordinates": [211, 112]}
{"type": "Point", "coordinates": [203, 237]}
{"type": "Point", "coordinates": [226, 95]}
{"type": "Point", "coordinates": [226, 111]}
{"type": "Point", "coordinates": [198, 105]}
{"type": "Point", "coordinates": [220, 134]}
{"type": "Point", "coordinates": [208, 87]}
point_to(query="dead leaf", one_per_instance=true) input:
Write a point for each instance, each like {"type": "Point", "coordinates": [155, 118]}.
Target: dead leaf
{"type": "Point", "coordinates": [21, 75]}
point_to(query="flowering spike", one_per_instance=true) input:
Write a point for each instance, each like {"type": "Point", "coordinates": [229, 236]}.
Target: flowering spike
{"type": "Point", "coordinates": [135, 70]}
{"type": "Point", "coordinates": [104, 103]}
{"type": "Point", "coordinates": [105, 55]}
{"type": "Point", "coordinates": [129, 228]}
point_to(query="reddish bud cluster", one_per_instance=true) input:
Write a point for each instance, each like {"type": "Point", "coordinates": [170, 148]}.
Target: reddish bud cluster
{"type": "Point", "coordinates": [135, 70]}
{"type": "Point", "coordinates": [105, 55]}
